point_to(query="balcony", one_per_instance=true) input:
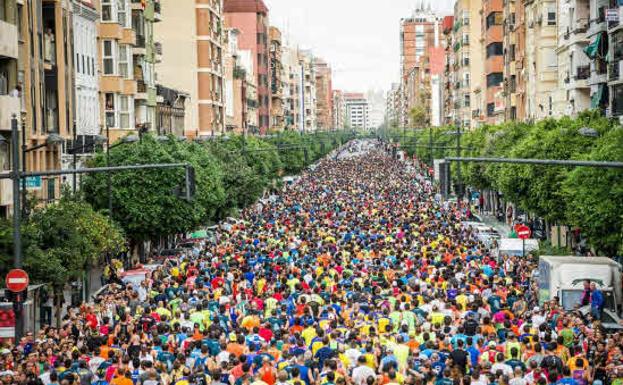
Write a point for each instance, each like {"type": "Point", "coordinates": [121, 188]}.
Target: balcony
{"type": "Point", "coordinates": [8, 40]}
{"type": "Point", "coordinates": [9, 106]}
{"type": "Point", "coordinates": [141, 90]}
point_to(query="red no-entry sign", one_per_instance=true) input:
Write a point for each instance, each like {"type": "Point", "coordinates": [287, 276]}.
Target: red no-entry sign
{"type": "Point", "coordinates": [17, 280]}
{"type": "Point", "coordinates": [523, 232]}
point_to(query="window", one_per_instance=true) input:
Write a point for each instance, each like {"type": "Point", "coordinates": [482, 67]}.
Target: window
{"type": "Point", "coordinates": [125, 111]}
{"type": "Point", "coordinates": [108, 10]}
{"type": "Point", "coordinates": [78, 62]}
{"type": "Point", "coordinates": [551, 17]}
{"type": "Point", "coordinates": [125, 61]}
{"type": "Point", "coordinates": [51, 189]}
{"type": "Point", "coordinates": [122, 13]}
{"type": "Point", "coordinates": [108, 57]}
{"type": "Point", "coordinates": [110, 110]}
{"type": "Point", "coordinates": [466, 100]}
{"type": "Point", "coordinates": [495, 49]}
{"type": "Point", "coordinates": [494, 18]}
{"type": "Point", "coordinates": [490, 109]}
{"type": "Point", "coordinates": [494, 79]}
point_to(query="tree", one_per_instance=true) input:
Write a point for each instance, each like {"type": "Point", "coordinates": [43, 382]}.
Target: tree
{"type": "Point", "coordinates": [145, 202]}
{"type": "Point", "coordinates": [65, 239]}
{"type": "Point", "coordinates": [595, 196]}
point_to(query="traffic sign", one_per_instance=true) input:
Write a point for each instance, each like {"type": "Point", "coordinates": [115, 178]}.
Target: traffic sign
{"type": "Point", "coordinates": [523, 232]}
{"type": "Point", "coordinates": [17, 280]}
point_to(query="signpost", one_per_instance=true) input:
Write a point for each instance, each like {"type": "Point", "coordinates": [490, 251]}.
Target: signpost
{"type": "Point", "coordinates": [17, 280]}
{"type": "Point", "coordinates": [17, 283]}
{"type": "Point", "coordinates": [523, 232]}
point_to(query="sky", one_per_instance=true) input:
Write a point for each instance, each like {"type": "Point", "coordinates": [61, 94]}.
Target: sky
{"type": "Point", "coordinates": [359, 38]}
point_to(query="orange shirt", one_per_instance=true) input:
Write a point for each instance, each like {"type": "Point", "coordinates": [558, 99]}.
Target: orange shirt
{"type": "Point", "coordinates": [121, 380]}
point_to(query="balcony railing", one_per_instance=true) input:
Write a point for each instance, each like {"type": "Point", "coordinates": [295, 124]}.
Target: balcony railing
{"type": "Point", "coordinates": [141, 87]}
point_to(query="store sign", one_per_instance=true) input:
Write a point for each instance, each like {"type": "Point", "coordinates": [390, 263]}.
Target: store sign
{"type": "Point", "coordinates": [33, 183]}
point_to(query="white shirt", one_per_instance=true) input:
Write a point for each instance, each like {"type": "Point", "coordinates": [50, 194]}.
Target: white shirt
{"type": "Point", "coordinates": [506, 369]}
{"type": "Point", "coordinates": [361, 374]}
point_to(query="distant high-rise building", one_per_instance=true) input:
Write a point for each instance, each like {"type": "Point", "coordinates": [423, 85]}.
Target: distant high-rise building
{"type": "Point", "coordinates": [357, 111]}
{"type": "Point", "coordinates": [376, 109]}
{"type": "Point", "coordinates": [418, 33]}
{"type": "Point", "coordinates": [324, 95]}
{"type": "Point", "coordinates": [250, 17]}
{"type": "Point", "coordinates": [339, 111]}
{"type": "Point", "coordinates": [276, 80]}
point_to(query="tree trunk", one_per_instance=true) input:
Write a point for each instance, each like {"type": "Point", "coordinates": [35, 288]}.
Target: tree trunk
{"type": "Point", "coordinates": [58, 305]}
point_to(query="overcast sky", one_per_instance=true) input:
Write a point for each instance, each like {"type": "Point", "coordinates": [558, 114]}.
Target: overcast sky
{"type": "Point", "coordinates": [359, 38]}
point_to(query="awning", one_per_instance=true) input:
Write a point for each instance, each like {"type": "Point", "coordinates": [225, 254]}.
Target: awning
{"type": "Point", "coordinates": [597, 96]}
{"type": "Point", "coordinates": [592, 49]}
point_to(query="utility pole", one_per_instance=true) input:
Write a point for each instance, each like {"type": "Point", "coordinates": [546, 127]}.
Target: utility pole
{"type": "Point", "coordinates": [18, 308]}
{"type": "Point", "coordinates": [458, 169]}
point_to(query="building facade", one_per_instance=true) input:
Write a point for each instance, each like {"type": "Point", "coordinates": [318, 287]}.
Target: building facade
{"type": "Point", "coordinates": [308, 91]}
{"type": "Point", "coordinates": [46, 77]}
{"type": "Point", "coordinates": [324, 95]}
{"type": "Point", "coordinates": [277, 83]}
{"type": "Point", "coordinates": [357, 111]}
{"type": "Point", "coordinates": [541, 73]}
{"type": "Point", "coordinates": [250, 17]}
{"type": "Point", "coordinates": [493, 44]}
{"type": "Point", "coordinates": [339, 110]}
{"type": "Point", "coordinates": [514, 61]}
{"type": "Point", "coordinates": [192, 36]}
{"type": "Point", "coordinates": [418, 33]}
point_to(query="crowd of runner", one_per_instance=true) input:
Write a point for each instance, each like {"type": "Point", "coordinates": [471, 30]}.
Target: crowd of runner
{"type": "Point", "coordinates": [355, 275]}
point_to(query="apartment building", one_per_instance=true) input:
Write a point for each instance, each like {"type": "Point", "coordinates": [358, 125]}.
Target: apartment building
{"type": "Point", "coordinates": [541, 72]}
{"type": "Point", "coordinates": [277, 115]}
{"type": "Point", "coordinates": [574, 66]}
{"type": "Point", "coordinates": [418, 33]}
{"type": "Point", "coordinates": [308, 91]}
{"type": "Point", "coordinates": [192, 37]}
{"type": "Point", "coordinates": [339, 110]}
{"type": "Point", "coordinates": [45, 73]}
{"type": "Point", "coordinates": [615, 68]}
{"type": "Point", "coordinates": [118, 83]}
{"type": "Point", "coordinates": [11, 78]}
{"type": "Point", "coordinates": [324, 95]}
{"type": "Point", "coordinates": [514, 61]}
{"type": "Point", "coordinates": [493, 44]}
{"type": "Point", "coordinates": [357, 111]}
{"type": "Point", "coordinates": [392, 108]}
{"type": "Point", "coordinates": [464, 69]}
{"type": "Point", "coordinates": [250, 17]}
{"type": "Point", "coordinates": [291, 88]}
